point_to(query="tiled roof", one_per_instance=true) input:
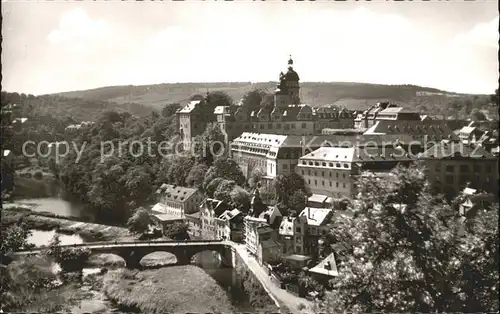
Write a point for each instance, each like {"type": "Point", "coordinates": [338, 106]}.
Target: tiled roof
{"type": "Point", "coordinates": [189, 107]}
{"type": "Point", "coordinates": [453, 150]}
{"type": "Point", "coordinates": [434, 129]}
{"type": "Point", "coordinates": [355, 154]}
{"type": "Point", "coordinates": [176, 193]}
{"type": "Point", "coordinates": [316, 216]}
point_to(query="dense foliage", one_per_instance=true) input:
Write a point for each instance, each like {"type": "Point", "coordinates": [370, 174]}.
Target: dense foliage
{"type": "Point", "coordinates": [409, 253]}
{"type": "Point", "coordinates": [69, 258]}
{"type": "Point", "coordinates": [140, 221]}
{"type": "Point", "coordinates": [291, 191]}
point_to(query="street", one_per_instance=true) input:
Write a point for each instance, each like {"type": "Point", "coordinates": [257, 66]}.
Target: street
{"type": "Point", "coordinates": [292, 302]}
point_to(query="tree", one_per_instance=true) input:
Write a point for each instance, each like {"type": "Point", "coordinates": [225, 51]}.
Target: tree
{"type": "Point", "coordinates": [253, 99]}
{"type": "Point", "coordinates": [267, 101]}
{"type": "Point", "coordinates": [140, 221]}
{"type": "Point", "coordinates": [240, 199]}
{"type": "Point", "coordinates": [297, 201]}
{"type": "Point", "coordinates": [70, 259]}
{"type": "Point", "coordinates": [219, 98]}
{"type": "Point", "coordinates": [223, 191]}
{"type": "Point", "coordinates": [177, 231]}
{"type": "Point", "coordinates": [209, 145]}
{"type": "Point", "coordinates": [226, 168]}
{"type": "Point", "coordinates": [212, 186]}
{"type": "Point", "coordinates": [406, 253]}
{"type": "Point", "coordinates": [14, 238]}
{"type": "Point", "coordinates": [196, 175]}
{"type": "Point", "coordinates": [477, 115]}
{"type": "Point", "coordinates": [178, 169]}
{"type": "Point", "coordinates": [286, 185]}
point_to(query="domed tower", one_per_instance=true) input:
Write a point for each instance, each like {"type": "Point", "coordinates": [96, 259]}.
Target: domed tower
{"type": "Point", "coordinates": [287, 92]}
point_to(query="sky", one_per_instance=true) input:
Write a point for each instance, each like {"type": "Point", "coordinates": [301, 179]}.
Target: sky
{"type": "Point", "coordinates": [51, 47]}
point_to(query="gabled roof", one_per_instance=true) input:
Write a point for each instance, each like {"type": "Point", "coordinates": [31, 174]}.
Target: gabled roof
{"type": "Point", "coordinates": [327, 267]}
{"type": "Point", "coordinates": [229, 214]}
{"type": "Point", "coordinates": [456, 150]}
{"type": "Point", "coordinates": [356, 154]}
{"type": "Point", "coordinates": [286, 226]}
{"type": "Point", "coordinates": [264, 229]}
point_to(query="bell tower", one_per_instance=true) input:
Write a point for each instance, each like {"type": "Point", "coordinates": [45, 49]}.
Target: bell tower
{"type": "Point", "coordinates": [287, 91]}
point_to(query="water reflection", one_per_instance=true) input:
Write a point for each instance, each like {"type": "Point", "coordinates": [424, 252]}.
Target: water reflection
{"type": "Point", "coordinates": [48, 195]}
{"type": "Point", "coordinates": [43, 238]}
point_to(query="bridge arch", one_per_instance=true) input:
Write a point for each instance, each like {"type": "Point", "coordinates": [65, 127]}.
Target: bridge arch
{"type": "Point", "coordinates": [106, 259]}
{"type": "Point", "coordinates": [158, 258]}
{"type": "Point", "coordinates": [208, 258]}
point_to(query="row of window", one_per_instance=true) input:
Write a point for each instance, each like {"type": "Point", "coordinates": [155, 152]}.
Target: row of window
{"type": "Point", "coordinates": [324, 164]}
{"type": "Point", "coordinates": [337, 185]}
{"type": "Point", "coordinates": [315, 173]}
{"type": "Point", "coordinates": [464, 179]}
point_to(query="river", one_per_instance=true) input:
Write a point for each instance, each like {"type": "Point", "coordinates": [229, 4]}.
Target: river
{"type": "Point", "coordinates": [48, 196]}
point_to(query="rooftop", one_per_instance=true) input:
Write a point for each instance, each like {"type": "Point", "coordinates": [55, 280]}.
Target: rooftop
{"type": "Point", "coordinates": [456, 150]}
{"type": "Point", "coordinates": [355, 154]}
{"type": "Point", "coordinates": [316, 216]}
{"type": "Point", "coordinates": [167, 217]}
{"type": "Point", "coordinates": [189, 107]}
{"type": "Point", "coordinates": [175, 192]}
{"type": "Point", "coordinates": [327, 267]}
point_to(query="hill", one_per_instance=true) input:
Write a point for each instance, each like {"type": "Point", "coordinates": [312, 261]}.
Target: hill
{"type": "Point", "coordinates": [351, 95]}
{"type": "Point", "coordinates": [78, 109]}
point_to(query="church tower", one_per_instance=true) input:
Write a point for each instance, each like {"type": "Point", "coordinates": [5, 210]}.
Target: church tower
{"type": "Point", "coordinates": [287, 91]}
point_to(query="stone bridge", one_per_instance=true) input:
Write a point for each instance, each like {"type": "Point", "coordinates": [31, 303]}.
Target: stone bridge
{"type": "Point", "coordinates": [133, 252]}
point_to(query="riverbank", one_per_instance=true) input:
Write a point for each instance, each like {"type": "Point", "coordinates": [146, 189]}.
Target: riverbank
{"type": "Point", "coordinates": [189, 289]}
{"type": "Point", "coordinates": [47, 221]}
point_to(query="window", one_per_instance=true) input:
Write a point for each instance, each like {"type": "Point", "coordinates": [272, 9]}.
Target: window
{"type": "Point", "coordinates": [337, 175]}
{"type": "Point", "coordinates": [304, 125]}
{"type": "Point", "coordinates": [315, 182]}
{"type": "Point", "coordinates": [308, 181]}
{"type": "Point", "coordinates": [330, 183]}
{"type": "Point", "coordinates": [343, 175]}
{"type": "Point", "coordinates": [450, 168]}
{"type": "Point", "coordinates": [343, 185]}
{"type": "Point", "coordinates": [309, 172]}
{"type": "Point", "coordinates": [330, 174]}
{"type": "Point", "coordinates": [278, 125]}
{"type": "Point", "coordinates": [285, 166]}
{"type": "Point", "coordinates": [337, 165]}
{"type": "Point", "coordinates": [346, 166]}
{"type": "Point", "coordinates": [297, 249]}
{"type": "Point", "coordinates": [464, 168]}
{"type": "Point", "coordinates": [324, 164]}
{"type": "Point", "coordinates": [323, 183]}
{"type": "Point", "coordinates": [302, 172]}
{"type": "Point", "coordinates": [293, 125]}
{"type": "Point", "coordinates": [269, 125]}
{"type": "Point", "coordinates": [262, 126]}
{"type": "Point", "coordinates": [322, 173]}
{"type": "Point", "coordinates": [298, 230]}
{"type": "Point", "coordinates": [336, 184]}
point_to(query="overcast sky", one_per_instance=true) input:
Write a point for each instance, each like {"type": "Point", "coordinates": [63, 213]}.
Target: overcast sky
{"type": "Point", "coordinates": [53, 47]}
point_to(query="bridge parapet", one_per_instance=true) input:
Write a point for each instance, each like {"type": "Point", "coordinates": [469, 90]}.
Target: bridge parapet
{"type": "Point", "coordinates": [133, 252]}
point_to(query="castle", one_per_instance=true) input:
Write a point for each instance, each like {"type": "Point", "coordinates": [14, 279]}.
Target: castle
{"type": "Point", "coordinates": [287, 117]}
